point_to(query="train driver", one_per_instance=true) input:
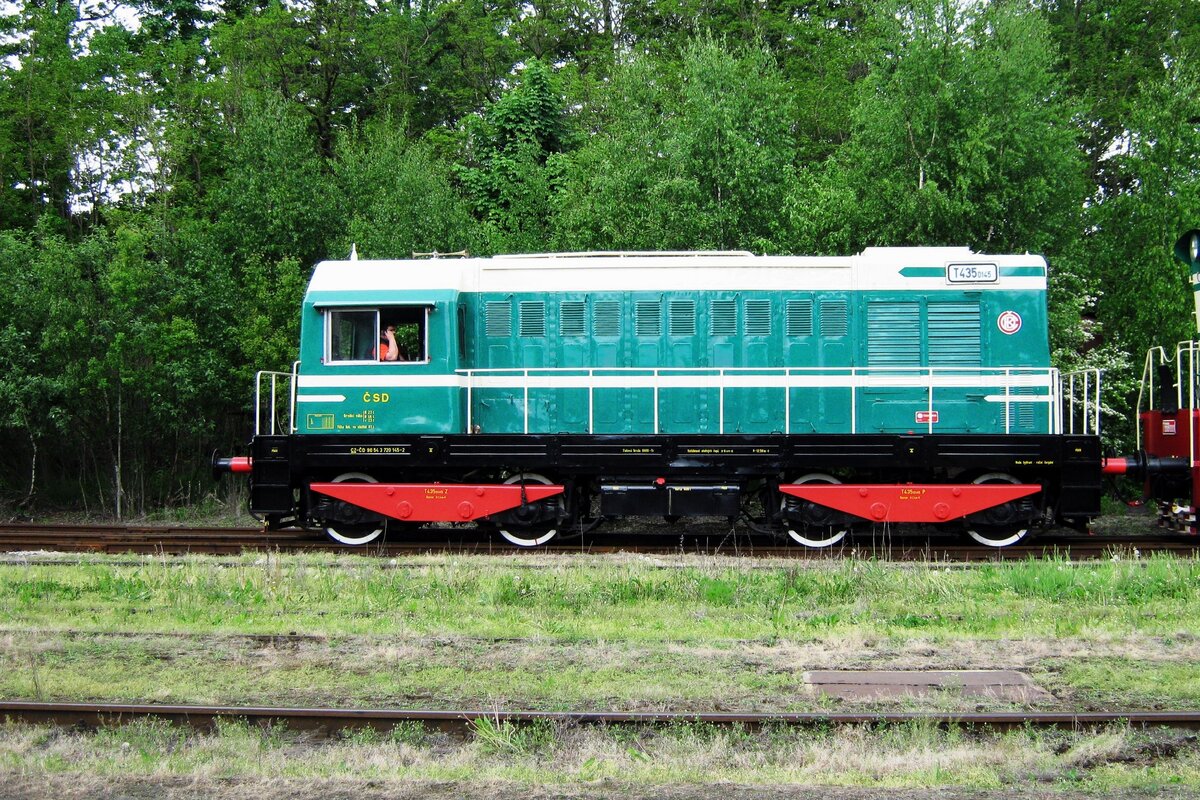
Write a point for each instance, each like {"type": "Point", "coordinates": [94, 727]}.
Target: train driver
{"type": "Point", "coordinates": [389, 350]}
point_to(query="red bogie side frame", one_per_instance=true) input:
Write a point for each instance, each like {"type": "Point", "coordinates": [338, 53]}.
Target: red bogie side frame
{"type": "Point", "coordinates": [437, 502]}
{"type": "Point", "coordinates": [910, 502]}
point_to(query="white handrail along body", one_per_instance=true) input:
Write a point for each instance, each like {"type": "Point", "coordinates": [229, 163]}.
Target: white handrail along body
{"type": "Point", "coordinates": [1042, 386]}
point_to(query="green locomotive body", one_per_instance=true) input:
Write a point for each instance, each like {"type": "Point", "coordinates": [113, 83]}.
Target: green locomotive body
{"type": "Point", "coordinates": [812, 395]}
{"type": "Point", "coordinates": [885, 342]}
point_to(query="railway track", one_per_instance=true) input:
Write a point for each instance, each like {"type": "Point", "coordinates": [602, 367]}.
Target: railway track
{"type": "Point", "coordinates": [224, 541]}
{"type": "Point", "coordinates": [332, 720]}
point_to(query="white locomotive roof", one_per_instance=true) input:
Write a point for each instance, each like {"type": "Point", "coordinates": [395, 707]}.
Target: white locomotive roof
{"type": "Point", "coordinates": [876, 268]}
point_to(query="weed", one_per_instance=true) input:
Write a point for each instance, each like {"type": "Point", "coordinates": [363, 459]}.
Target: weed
{"type": "Point", "coordinates": [409, 732]}
{"type": "Point", "coordinates": [363, 736]}
{"type": "Point", "coordinates": [498, 735]}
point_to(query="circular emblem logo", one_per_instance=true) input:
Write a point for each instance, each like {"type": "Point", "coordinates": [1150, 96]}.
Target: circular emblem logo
{"type": "Point", "coordinates": [1009, 322]}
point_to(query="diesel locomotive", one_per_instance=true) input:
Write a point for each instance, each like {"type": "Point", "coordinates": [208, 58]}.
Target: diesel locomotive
{"type": "Point", "coordinates": [811, 396]}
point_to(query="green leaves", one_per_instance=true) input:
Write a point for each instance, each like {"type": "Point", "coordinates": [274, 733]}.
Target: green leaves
{"type": "Point", "coordinates": [698, 158]}
{"type": "Point", "coordinates": [164, 191]}
{"type": "Point", "coordinates": [962, 135]}
{"type": "Point", "coordinates": [510, 173]}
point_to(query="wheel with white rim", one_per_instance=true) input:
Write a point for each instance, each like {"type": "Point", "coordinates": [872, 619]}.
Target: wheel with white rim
{"type": "Point", "coordinates": [531, 524]}
{"type": "Point", "coordinates": [812, 524]}
{"type": "Point", "coordinates": [1003, 525]}
{"type": "Point", "coordinates": [354, 526]}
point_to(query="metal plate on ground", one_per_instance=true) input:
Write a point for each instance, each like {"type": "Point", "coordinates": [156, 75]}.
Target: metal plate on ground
{"type": "Point", "coordinates": [1000, 684]}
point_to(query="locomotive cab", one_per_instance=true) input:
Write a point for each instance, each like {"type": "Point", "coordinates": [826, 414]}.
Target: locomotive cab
{"type": "Point", "coordinates": [346, 383]}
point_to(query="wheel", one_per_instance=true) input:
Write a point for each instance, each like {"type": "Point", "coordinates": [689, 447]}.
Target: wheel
{"type": "Point", "coordinates": [354, 526]}
{"type": "Point", "coordinates": [1003, 525]}
{"type": "Point", "coordinates": [531, 524]}
{"type": "Point", "coordinates": [810, 524]}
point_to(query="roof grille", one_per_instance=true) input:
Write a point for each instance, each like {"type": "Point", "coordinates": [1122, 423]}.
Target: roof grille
{"type": "Point", "coordinates": [648, 318]}
{"type": "Point", "coordinates": [758, 317]}
{"type": "Point", "coordinates": [533, 318]}
{"type": "Point", "coordinates": [834, 318]}
{"type": "Point", "coordinates": [799, 317]}
{"type": "Point", "coordinates": [606, 318]}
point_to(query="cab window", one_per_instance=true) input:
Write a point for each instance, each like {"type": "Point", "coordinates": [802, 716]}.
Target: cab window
{"type": "Point", "coordinates": [409, 327]}
{"type": "Point", "coordinates": [352, 335]}
{"type": "Point", "coordinates": [361, 335]}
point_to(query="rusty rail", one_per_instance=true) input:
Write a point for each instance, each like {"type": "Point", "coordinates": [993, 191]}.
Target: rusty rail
{"type": "Point", "coordinates": [225, 541]}
{"type": "Point", "coordinates": [332, 720]}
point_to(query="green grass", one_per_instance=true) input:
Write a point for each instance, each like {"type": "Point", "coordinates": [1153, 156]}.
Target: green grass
{"type": "Point", "coordinates": [587, 633]}
{"type": "Point", "coordinates": [905, 756]}
{"type": "Point", "coordinates": [598, 633]}
{"type": "Point", "coordinates": [476, 597]}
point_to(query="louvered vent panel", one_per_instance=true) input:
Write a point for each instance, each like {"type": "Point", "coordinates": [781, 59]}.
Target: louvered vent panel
{"type": "Point", "coordinates": [758, 317]}
{"type": "Point", "coordinates": [573, 318]}
{"type": "Point", "coordinates": [799, 317]}
{"type": "Point", "coordinates": [1022, 413]}
{"type": "Point", "coordinates": [683, 318]}
{"type": "Point", "coordinates": [954, 335]}
{"type": "Point", "coordinates": [606, 318]}
{"type": "Point", "coordinates": [893, 334]}
{"type": "Point", "coordinates": [648, 318]}
{"type": "Point", "coordinates": [499, 318]}
{"type": "Point", "coordinates": [724, 318]}
{"type": "Point", "coordinates": [533, 318]}
{"type": "Point", "coordinates": [835, 320]}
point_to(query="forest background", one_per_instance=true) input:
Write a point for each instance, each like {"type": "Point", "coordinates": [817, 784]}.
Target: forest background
{"type": "Point", "coordinates": [170, 170]}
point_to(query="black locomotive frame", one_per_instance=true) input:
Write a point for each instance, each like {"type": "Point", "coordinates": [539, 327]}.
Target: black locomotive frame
{"type": "Point", "coordinates": [1067, 466]}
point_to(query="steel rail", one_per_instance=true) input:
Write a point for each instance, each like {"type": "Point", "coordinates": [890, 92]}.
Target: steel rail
{"type": "Point", "coordinates": [151, 540]}
{"type": "Point", "coordinates": [332, 720]}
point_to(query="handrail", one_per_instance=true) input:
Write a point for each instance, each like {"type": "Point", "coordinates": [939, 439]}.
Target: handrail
{"type": "Point", "coordinates": [1146, 388]}
{"type": "Point", "coordinates": [852, 379]}
{"type": "Point", "coordinates": [1088, 381]}
{"type": "Point", "coordinates": [268, 412]}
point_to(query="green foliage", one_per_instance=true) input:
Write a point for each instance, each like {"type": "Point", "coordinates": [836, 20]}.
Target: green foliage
{"type": "Point", "coordinates": [510, 172]}
{"type": "Point", "coordinates": [164, 191]}
{"type": "Point", "coordinates": [399, 196]}
{"type": "Point", "coordinates": [699, 158]}
{"type": "Point", "coordinates": [1134, 230]}
{"type": "Point", "coordinates": [496, 735]}
{"type": "Point", "coordinates": [276, 199]}
{"type": "Point", "coordinates": [1111, 53]}
{"type": "Point", "coordinates": [961, 136]}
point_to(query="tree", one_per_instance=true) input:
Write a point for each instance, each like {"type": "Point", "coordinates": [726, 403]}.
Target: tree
{"type": "Point", "coordinates": [39, 94]}
{"type": "Point", "coordinates": [310, 54]}
{"type": "Point", "coordinates": [961, 136]}
{"type": "Point", "coordinates": [399, 197]}
{"type": "Point", "coordinates": [1147, 298]}
{"type": "Point", "coordinates": [1111, 50]}
{"type": "Point", "coordinates": [700, 158]}
{"type": "Point", "coordinates": [33, 336]}
{"type": "Point", "coordinates": [510, 168]}
{"type": "Point", "coordinates": [275, 200]}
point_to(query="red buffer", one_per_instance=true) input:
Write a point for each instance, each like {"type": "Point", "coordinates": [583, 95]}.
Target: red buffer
{"type": "Point", "coordinates": [437, 502]}
{"type": "Point", "coordinates": [910, 502]}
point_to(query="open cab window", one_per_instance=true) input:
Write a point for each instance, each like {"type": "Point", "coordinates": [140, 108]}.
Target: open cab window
{"type": "Point", "coordinates": [359, 336]}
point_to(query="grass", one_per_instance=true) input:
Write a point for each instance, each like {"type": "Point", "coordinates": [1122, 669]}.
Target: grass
{"type": "Point", "coordinates": [904, 756]}
{"type": "Point", "coordinates": [597, 633]}
{"type": "Point", "coordinates": [587, 633]}
{"type": "Point", "coordinates": [483, 598]}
